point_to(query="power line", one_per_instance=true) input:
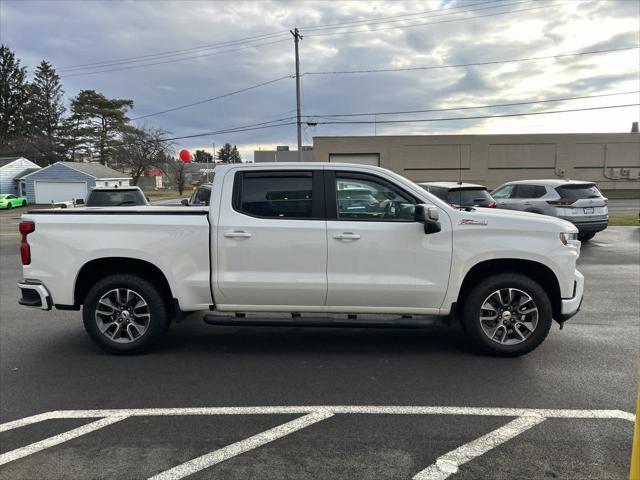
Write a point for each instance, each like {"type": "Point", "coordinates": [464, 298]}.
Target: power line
{"type": "Point", "coordinates": [337, 115]}
{"type": "Point", "coordinates": [364, 122]}
{"type": "Point", "coordinates": [390, 19]}
{"type": "Point", "coordinates": [168, 53]}
{"type": "Point", "coordinates": [349, 32]}
{"type": "Point", "coordinates": [171, 53]}
{"type": "Point", "coordinates": [205, 134]}
{"type": "Point", "coordinates": [458, 65]}
{"type": "Point", "coordinates": [174, 60]}
{"type": "Point", "coordinates": [206, 100]}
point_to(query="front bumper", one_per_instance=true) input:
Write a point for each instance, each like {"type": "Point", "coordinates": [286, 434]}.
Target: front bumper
{"type": "Point", "coordinates": [34, 294]}
{"type": "Point", "coordinates": [571, 306]}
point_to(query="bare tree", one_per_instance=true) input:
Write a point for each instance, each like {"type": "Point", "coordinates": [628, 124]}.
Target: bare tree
{"type": "Point", "coordinates": [140, 149]}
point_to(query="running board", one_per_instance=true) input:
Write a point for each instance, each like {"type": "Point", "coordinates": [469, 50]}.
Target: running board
{"type": "Point", "coordinates": [219, 320]}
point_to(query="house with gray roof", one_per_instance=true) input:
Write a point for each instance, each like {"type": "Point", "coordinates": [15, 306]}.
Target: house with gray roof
{"type": "Point", "coordinates": [66, 181]}
{"type": "Point", "coordinates": [10, 169]}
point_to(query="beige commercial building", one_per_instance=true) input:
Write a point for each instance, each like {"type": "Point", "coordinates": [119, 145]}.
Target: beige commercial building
{"type": "Point", "coordinates": [612, 160]}
{"type": "Point", "coordinates": [283, 154]}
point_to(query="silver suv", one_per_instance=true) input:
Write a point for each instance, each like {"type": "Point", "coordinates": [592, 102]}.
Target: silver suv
{"type": "Point", "coordinates": [581, 203]}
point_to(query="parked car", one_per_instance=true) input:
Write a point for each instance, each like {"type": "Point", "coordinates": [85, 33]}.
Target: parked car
{"type": "Point", "coordinates": [460, 195]}
{"type": "Point", "coordinates": [200, 197]}
{"type": "Point", "coordinates": [116, 197]}
{"type": "Point", "coordinates": [277, 239]}
{"type": "Point", "coordinates": [581, 203]}
{"type": "Point", "coordinates": [9, 200]}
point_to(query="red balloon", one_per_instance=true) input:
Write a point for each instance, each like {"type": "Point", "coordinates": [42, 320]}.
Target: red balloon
{"type": "Point", "coordinates": [185, 155]}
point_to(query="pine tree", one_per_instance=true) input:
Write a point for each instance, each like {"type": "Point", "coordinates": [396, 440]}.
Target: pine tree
{"type": "Point", "coordinates": [235, 155]}
{"type": "Point", "coordinates": [13, 101]}
{"type": "Point", "coordinates": [229, 154]}
{"type": "Point", "coordinates": [45, 113]}
{"type": "Point", "coordinates": [97, 122]}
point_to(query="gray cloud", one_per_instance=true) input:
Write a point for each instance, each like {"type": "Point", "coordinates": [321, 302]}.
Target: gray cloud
{"type": "Point", "coordinates": [72, 32]}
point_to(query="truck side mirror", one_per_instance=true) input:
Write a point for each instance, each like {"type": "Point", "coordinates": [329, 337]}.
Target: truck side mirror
{"type": "Point", "coordinates": [80, 201]}
{"type": "Point", "coordinates": [428, 215]}
{"type": "Point", "coordinates": [185, 202]}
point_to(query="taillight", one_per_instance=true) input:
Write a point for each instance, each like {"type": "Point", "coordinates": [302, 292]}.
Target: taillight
{"type": "Point", "coordinates": [25, 229]}
{"type": "Point", "coordinates": [492, 205]}
{"type": "Point", "coordinates": [562, 201]}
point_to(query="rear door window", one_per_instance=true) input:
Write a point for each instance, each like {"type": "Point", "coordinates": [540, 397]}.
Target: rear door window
{"type": "Point", "coordinates": [579, 191]}
{"type": "Point", "coordinates": [529, 191]}
{"type": "Point", "coordinates": [277, 195]}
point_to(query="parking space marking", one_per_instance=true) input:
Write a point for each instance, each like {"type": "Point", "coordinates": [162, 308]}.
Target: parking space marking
{"type": "Point", "coordinates": [222, 454]}
{"type": "Point", "coordinates": [335, 409]}
{"type": "Point", "coordinates": [450, 462]}
{"type": "Point", "coordinates": [446, 465]}
{"type": "Point", "coordinates": [58, 439]}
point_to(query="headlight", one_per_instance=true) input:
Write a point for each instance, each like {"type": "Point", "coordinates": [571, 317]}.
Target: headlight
{"type": "Point", "coordinates": [566, 236]}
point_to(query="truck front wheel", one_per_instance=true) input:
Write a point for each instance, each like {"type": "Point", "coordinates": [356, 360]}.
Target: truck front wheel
{"type": "Point", "coordinates": [124, 314]}
{"type": "Point", "coordinates": [507, 315]}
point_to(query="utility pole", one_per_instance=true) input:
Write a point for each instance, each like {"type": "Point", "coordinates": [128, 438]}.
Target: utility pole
{"type": "Point", "coordinates": [296, 38]}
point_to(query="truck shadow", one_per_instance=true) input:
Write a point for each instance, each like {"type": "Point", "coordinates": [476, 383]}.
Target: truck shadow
{"type": "Point", "coordinates": [293, 340]}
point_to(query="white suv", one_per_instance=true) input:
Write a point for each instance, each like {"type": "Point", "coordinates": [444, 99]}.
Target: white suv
{"type": "Point", "coordinates": [581, 203]}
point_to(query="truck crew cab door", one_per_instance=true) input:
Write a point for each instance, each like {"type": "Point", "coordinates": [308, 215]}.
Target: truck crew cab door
{"type": "Point", "coordinates": [271, 243]}
{"type": "Point", "coordinates": [379, 256]}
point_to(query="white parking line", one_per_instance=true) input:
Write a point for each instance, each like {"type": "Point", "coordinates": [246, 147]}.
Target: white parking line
{"type": "Point", "coordinates": [449, 463]}
{"type": "Point", "coordinates": [441, 469]}
{"type": "Point", "coordinates": [335, 409]}
{"type": "Point", "coordinates": [217, 456]}
{"type": "Point", "coordinates": [58, 439]}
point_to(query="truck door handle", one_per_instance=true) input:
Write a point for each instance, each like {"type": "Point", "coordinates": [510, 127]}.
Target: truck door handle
{"type": "Point", "coordinates": [527, 203]}
{"type": "Point", "coordinates": [346, 236]}
{"type": "Point", "coordinates": [237, 234]}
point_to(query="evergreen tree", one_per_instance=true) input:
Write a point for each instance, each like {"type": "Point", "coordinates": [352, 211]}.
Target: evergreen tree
{"type": "Point", "coordinates": [45, 113]}
{"type": "Point", "coordinates": [200, 156]}
{"type": "Point", "coordinates": [235, 155]}
{"type": "Point", "coordinates": [229, 154]}
{"type": "Point", "coordinates": [13, 101]}
{"type": "Point", "coordinates": [96, 123]}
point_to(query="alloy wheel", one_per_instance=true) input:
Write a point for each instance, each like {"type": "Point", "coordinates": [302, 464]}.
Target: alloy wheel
{"type": "Point", "coordinates": [508, 316]}
{"type": "Point", "coordinates": [122, 315]}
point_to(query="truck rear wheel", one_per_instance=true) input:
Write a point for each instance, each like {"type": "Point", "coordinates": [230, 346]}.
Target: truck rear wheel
{"type": "Point", "coordinates": [125, 314]}
{"type": "Point", "coordinates": [507, 315]}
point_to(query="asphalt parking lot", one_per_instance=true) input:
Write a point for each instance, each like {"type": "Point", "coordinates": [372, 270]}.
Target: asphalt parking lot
{"type": "Point", "coordinates": [267, 403]}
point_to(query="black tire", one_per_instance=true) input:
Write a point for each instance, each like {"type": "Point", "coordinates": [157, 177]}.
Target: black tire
{"type": "Point", "coordinates": [24, 203]}
{"type": "Point", "coordinates": [478, 294]}
{"type": "Point", "coordinates": [156, 325]}
{"type": "Point", "coordinates": [9, 206]}
{"type": "Point", "coordinates": [585, 237]}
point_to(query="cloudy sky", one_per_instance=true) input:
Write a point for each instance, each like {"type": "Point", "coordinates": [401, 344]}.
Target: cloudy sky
{"type": "Point", "coordinates": [165, 54]}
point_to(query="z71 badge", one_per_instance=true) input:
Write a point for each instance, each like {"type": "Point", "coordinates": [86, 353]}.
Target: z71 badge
{"type": "Point", "coordinates": [469, 221]}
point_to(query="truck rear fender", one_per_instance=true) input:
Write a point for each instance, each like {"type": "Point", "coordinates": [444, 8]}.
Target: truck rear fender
{"type": "Point", "coordinates": [96, 269]}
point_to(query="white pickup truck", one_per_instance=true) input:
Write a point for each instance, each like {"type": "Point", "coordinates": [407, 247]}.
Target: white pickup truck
{"type": "Point", "coordinates": [306, 238]}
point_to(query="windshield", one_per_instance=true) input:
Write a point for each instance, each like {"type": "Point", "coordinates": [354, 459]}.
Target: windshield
{"type": "Point", "coordinates": [579, 191]}
{"type": "Point", "coordinates": [115, 198]}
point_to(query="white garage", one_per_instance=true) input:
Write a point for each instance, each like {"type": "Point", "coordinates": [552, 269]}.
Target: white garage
{"type": "Point", "coordinates": [66, 181]}
{"type": "Point", "coordinates": [47, 192]}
